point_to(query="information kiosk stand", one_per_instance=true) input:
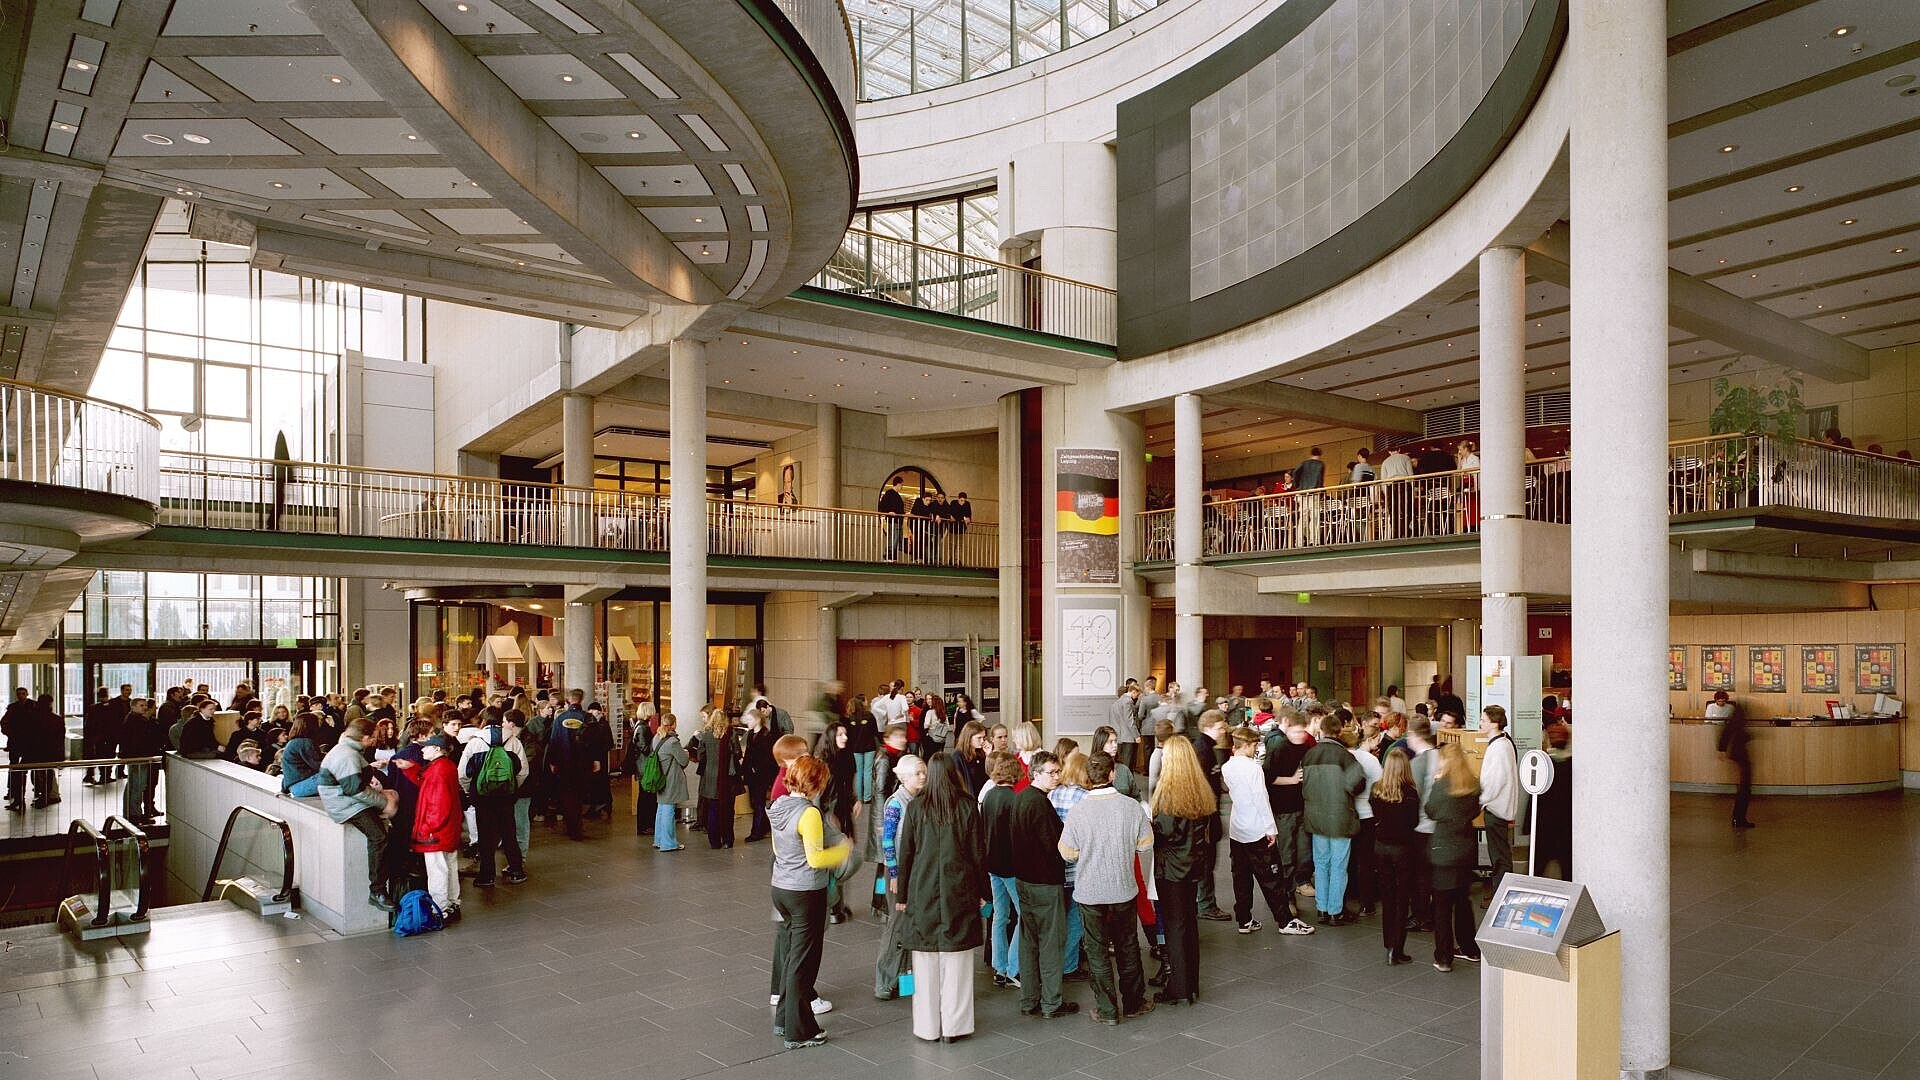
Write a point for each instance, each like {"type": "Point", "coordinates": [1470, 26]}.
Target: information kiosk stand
{"type": "Point", "coordinates": [1554, 953]}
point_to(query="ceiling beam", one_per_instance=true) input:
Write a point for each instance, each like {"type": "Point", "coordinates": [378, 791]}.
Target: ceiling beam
{"type": "Point", "coordinates": [1718, 315]}
{"type": "Point", "coordinates": [1293, 401]}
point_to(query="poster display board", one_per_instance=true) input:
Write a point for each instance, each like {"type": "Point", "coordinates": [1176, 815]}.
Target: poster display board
{"type": "Point", "coordinates": [1089, 659]}
{"type": "Point", "coordinates": [1767, 669]}
{"type": "Point", "coordinates": [1087, 514]}
{"type": "Point", "coordinates": [1820, 669]}
{"type": "Point", "coordinates": [1873, 670]}
{"type": "Point", "coordinates": [1676, 667]}
{"type": "Point", "coordinates": [1716, 667]}
{"type": "Point", "coordinates": [988, 659]}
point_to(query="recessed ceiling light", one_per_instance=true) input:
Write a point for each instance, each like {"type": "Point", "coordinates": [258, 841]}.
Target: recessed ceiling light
{"type": "Point", "coordinates": [704, 251]}
{"type": "Point", "coordinates": [79, 65]}
{"type": "Point", "coordinates": [196, 138]}
{"type": "Point", "coordinates": [411, 137]}
{"type": "Point", "coordinates": [1849, 221]}
{"type": "Point", "coordinates": [795, 352]}
{"type": "Point", "coordinates": [463, 8]}
{"type": "Point", "coordinates": [568, 77]}
{"type": "Point", "coordinates": [1729, 148]}
{"type": "Point", "coordinates": [699, 221]}
{"type": "Point", "coordinates": [1840, 31]}
{"type": "Point", "coordinates": [276, 184]}
{"type": "Point", "coordinates": [727, 381]}
{"type": "Point", "coordinates": [338, 80]}
{"type": "Point", "coordinates": [1899, 251]}
{"type": "Point", "coordinates": [635, 135]}
{"type": "Point", "coordinates": [1791, 188]}
{"type": "Point", "coordinates": [157, 139]}
{"type": "Point", "coordinates": [1900, 80]}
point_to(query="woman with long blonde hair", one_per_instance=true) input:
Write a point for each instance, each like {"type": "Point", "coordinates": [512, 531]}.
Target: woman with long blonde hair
{"type": "Point", "coordinates": [1395, 801]}
{"type": "Point", "coordinates": [1452, 804]}
{"type": "Point", "coordinates": [1185, 814]}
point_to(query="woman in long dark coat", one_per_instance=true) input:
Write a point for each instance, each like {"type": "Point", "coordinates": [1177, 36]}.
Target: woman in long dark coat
{"type": "Point", "coordinates": [719, 756]}
{"type": "Point", "coordinates": [941, 885]}
{"type": "Point", "coordinates": [1453, 803]}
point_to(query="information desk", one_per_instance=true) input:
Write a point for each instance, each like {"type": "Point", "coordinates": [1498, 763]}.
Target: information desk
{"type": "Point", "coordinates": [1790, 756]}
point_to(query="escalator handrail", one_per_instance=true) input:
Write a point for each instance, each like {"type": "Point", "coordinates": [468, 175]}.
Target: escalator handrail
{"type": "Point", "coordinates": [103, 868]}
{"type": "Point", "coordinates": [286, 847]}
{"type": "Point", "coordinates": [116, 827]}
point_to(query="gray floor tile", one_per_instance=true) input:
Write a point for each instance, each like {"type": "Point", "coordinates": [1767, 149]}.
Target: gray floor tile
{"type": "Point", "coordinates": [1859, 1048]}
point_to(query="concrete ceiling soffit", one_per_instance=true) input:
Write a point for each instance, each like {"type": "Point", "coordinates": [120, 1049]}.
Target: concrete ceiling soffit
{"type": "Point", "coordinates": [1717, 315]}
{"type": "Point", "coordinates": [444, 279]}
{"type": "Point", "coordinates": [1292, 401]}
{"type": "Point", "coordinates": [97, 267]}
{"type": "Point", "coordinates": [482, 127]}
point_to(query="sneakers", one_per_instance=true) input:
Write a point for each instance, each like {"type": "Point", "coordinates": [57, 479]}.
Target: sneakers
{"type": "Point", "coordinates": [821, 1006]}
{"type": "Point", "coordinates": [1250, 926]}
{"type": "Point", "coordinates": [802, 1044]}
{"type": "Point", "coordinates": [452, 914]}
{"type": "Point", "coordinates": [512, 877]}
{"type": "Point", "coordinates": [484, 883]}
{"type": "Point", "coordinates": [1474, 959]}
{"type": "Point", "coordinates": [1296, 928]}
{"type": "Point", "coordinates": [380, 901]}
{"type": "Point", "coordinates": [773, 1000]}
{"type": "Point", "coordinates": [1005, 982]}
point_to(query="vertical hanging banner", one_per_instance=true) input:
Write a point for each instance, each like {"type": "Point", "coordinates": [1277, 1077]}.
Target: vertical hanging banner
{"type": "Point", "coordinates": [1088, 512]}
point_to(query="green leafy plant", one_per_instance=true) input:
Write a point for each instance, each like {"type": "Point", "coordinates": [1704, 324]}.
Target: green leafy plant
{"type": "Point", "coordinates": [1773, 409]}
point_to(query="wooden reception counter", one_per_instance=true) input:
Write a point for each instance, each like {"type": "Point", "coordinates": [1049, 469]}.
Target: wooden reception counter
{"type": "Point", "coordinates": [1790, 756]}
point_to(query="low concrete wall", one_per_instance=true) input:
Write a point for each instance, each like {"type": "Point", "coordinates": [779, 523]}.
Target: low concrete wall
{"type": "Point", "coordinates": [330, 860]}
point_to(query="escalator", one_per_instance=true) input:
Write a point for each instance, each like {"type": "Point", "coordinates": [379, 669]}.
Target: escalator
{"type": "Point", "coordinates": [253, 869]}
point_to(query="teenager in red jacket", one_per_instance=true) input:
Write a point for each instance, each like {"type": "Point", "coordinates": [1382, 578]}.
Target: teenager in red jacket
{"type": "Point", "coordinates": [437, 820]}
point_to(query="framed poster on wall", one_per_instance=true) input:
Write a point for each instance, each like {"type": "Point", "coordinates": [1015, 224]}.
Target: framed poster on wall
{"type": "Point", "coordinates": [1767, 669]}
{"type": "Point", "coordinates": [1820, 669]}
{"type": "Point", "coordinates": [1087, 516]}
{"type": "Point", "coordinates": [1716, 667]}
{"type": "Point", "coordinates": [1873, 670]}
{"type": "Point", "coordinates": [1676, 667]}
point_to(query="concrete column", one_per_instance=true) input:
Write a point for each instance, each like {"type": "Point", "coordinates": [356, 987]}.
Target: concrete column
{"type": "Point", "coordinates": [1503, 440]}
{"type": "Point", "coordinates": [826, 465]}
{"type": "Point", "coordinates": [576, 465]}
{"type": "Point", "coordinates": [1013, 585]}
{"type": "Point", "coordinates": [827, 647]}
{"type": "Point", "coordinates": [577, 638]}
{"type": "Point", "coordinates": [1618, 197]}
{"type": "Point", "coordinates": [1463, 640]}
{"type": "Point", "coordinates": [687, 534]}
{"type": "Point", "coordinates": [1189, 637]}
{"type": "Point", "coordinates": [1057, 201]}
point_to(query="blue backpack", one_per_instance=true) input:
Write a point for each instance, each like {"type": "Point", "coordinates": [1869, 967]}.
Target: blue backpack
{"type": "Point", "coordinates": [418, 914]}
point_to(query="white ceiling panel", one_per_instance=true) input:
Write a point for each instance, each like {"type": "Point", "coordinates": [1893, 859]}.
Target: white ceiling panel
{"type": "Point", "coordinates": [159, 84]}
{"type": "Point", "coordinates": [656, 181]}
{"type": "Point", "coordinates": [1822, 266]}
{"type": "Point", "coordinates": [550, 252]}
{"type": "Point", "coordinates": [1821, 118]}
{"type": "Point", "coordinates": [637, 134]}
{"type": "Point", "coordinates": [290, 78]}
{"type": "Point", "coordinates": [1797, 44]}
{"type": "Point", "coordinates": [686, 219]}
{"type": "Point", "coordinates": [1810, 230]}
{"type": "Point", "coordinates": [1849, 170]}
{"type": "Point", "coordinates": [551, 76]}
{"type": "Point", "coordinates": [355, 136]}
{"type": "Point", "coordinates": [475, 18]}
{"type": "Point", "coordinates": [714, 251]}
{"type": "Point", "coordinates": [428, 183]}
{"type": "Point", "coordinates": [1904, 281]}
{"type": "Point", "coordinates": [300, 184]}
{"type": "Point", "coordinates": [493, 222]}
{"type": "Point", "coordinates": [203, 137]}
{"type": "Point", "coordinates": [384, 217]}
{"type": "Point", "coordinates": [237, 18]}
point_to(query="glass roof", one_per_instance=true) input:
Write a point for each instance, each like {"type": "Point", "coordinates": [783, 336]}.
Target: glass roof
{"type": "Point", "coordinates": [904, 46]}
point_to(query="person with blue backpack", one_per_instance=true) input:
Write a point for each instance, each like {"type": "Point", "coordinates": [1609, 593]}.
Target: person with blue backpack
{"type": "Point", "coordinates": [492, 769]}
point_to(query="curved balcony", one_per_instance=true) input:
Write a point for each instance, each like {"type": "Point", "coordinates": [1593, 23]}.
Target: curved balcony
{"type": "Point", "coordinates": [73, 469]}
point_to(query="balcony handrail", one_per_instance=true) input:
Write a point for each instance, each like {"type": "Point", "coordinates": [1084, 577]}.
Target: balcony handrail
{"type": "Point", "coordinates": [1373, 484]}
{"type": "Point", "coordinates": [490, 481]}
{"type": "Point", "coordinates": [995, 264]}
{"type": "Point", "coordinates": [85, 399]}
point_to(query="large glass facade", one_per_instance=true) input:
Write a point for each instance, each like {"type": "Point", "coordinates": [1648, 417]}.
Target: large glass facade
{"type": "Point", "coordinates": [905, 46]}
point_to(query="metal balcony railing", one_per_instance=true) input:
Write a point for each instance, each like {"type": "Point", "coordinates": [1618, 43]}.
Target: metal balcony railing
{"type": "Point", "coordinates": [887, 268]}
{"type": "Point", "coordinates": [1430, 506]}
{"type": "Point", "coordinates": [253, 494]}
{"type": "Point", "coordinates": [1739, 472]}
{"type": "Point", "coordinates": [60, 439]}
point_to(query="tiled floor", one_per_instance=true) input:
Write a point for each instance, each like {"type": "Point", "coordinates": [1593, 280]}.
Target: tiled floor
{"type": "Point", "coordinates": [1794, 958]}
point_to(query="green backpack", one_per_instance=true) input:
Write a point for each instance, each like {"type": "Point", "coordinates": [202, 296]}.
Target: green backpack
{"type": "Point", "coordinates": [497, 774]}
{"type": "Point", "coordinates": [653, 777]}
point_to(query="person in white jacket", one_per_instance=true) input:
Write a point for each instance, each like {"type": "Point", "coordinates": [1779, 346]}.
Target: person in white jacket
{"type": "Point", "coordinates": [1499, 792]}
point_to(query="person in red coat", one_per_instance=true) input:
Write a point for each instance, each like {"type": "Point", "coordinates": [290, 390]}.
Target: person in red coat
{"type": "Point", "coordinates": [437, 818]}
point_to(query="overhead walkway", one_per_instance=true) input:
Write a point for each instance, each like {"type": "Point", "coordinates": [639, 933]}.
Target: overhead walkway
{"type": "Point", "coordinates": [253, 515]}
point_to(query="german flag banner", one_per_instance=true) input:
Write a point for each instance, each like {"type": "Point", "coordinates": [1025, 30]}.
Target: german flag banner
{"type": "Point", "coordinates": [1087, 511]}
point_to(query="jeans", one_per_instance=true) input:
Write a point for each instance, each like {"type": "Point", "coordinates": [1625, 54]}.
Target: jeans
{"type": "Point", "coordinates": [137, 800]}
{"type": "Point", "coordinates": [1118, 985]}
{"type": "Point", "coordinates": [863, 775]}
{"type": "Point", "coordinates": [665, 821]}
{"type": "Point", "coordinates": [1294, 852]}
{"type": "Point", "coordinates": [1042, 941]}
{"type": "Point", "coordinates": [1207, 899]}
{"type": "Point", "coordinates": [893, 537]}
{"type": "Point", "coordinates": [805, 917]}
{"type": "Point", "coordinates": [371, 826]}
{"type": "Point", "coordinates": [523, 823]}
{"type": "Point", "coordinates": [306, 789]}
{"type": "Point", "coordinates": [1330, 855]}
{"type": "Point", "coordinates": [1070, 956]}
{"type": "Point", "coordinates": [1179, 909]}
{"type": "Point", "coordinates": [757, 792]}
{"type": "Point", "coordinates": [1006, 908]}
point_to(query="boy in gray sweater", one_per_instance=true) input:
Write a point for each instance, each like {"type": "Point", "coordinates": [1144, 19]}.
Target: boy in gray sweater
{"type": "Point", "coordinates": [1102, 836]}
